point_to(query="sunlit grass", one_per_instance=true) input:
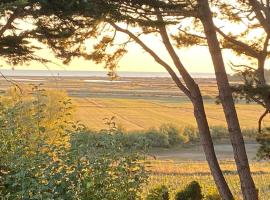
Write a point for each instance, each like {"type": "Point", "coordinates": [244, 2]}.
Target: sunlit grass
{"type": "Point", "coordinates": [177, 175]}
{"type": "Point", "coordinates": [144, 114]}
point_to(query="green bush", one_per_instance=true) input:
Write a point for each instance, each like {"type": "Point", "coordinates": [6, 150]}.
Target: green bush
{"type": "Point", "coordinates": [112, 170]}
{"type": "Point", "coordinates": [134, 139]}
{"type": "Point", "coordinates": [158, 193]}
{"type": "Point", "coordinates": [212, 193]}
{"type": "Point", "coordinates": [263, 139]}
{"type": "Point", "coordinates": [191, 133]}
{"type": "Point", "coordinates": [213, 197]}
{"type": "Point", "coordinates": [191, 192]}
{"type": "Point", "coordinates": [34, 146]}
{"type": "Point", "coordinates": [165, 137]}
{"type": "Point", "coordinates": [219, 132]}
{"type": "Point", "coordinates": [250, 133]}
{"type": "Point", "coordinates": [174, 135]}
{"type": "Point", "coordinates": [157, 139]}
{"type": "Point", "coordinates": [54, 159]}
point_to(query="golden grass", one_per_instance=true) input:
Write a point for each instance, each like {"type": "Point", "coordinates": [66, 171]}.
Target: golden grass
{"type": "Point", "coordinates": [142, 114]}
{"type": "Point", "coordinates": [199, 167]}
{"type": "Point", "coordinates": [142, 103]}
{"type": "Point", "coordinates": [177, 175]}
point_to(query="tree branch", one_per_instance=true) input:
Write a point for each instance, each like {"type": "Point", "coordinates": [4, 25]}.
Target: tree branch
{"type": "Point", "coordinates": [9, 22]}
{"type": "Point", "coordinates": [260, 120]}
{"type": "Point", "coordinates": [12, 82]}
{"type": "Point", "coordinates": [257, 9]}
{"type": "Point", "coordinates": [245, 66]}
{"type": "Point", "coordinates": [258, 101]}
{"type": "Point", "coordinates": [266, 43]}
{"type": "Point", "coordinates": [177, 62]}
{"type": "Point", "coordinates": [240, 44]}
{"type": "Point", "coordinates": [156, 57]}
{"type": "Point", "coordinates": [191, 34]}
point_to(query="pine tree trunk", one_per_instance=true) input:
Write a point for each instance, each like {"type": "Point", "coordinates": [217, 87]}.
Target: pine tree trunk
{"type": "Point", "coordinates": [260, 70]}
{"type": "Point", "coordinates": [195, 96]}
{"type": "Point", "coordinates": [199, 113]}
{"type": "Point", "coordinates": [208, 147]}
{"type": "Point", "coordinates": [247, 184]}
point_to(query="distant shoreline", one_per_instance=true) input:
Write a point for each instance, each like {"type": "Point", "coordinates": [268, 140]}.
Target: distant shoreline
{"type": "Point", "coordinates": [64, 73]}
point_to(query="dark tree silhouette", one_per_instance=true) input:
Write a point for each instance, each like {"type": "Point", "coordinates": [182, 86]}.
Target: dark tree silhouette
{"type": "Point", "coordinates": [16, 32]}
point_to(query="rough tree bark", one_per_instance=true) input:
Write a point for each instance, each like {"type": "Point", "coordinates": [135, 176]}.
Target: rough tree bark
{"type": "Point", "coordinates": [208, 147]}
{"type": "Point", "coordinates": [260, 70]}
{"type": "Point", "coordinates": [247, 184]}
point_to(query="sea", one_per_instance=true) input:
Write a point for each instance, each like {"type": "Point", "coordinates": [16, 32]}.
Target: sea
{"type": "Point", "coordinates": [67, 73]}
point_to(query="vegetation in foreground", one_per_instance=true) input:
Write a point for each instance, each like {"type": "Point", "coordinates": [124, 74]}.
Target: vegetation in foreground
{"type": "Point", "coordinates": [33, 166]}
{"type": "Point", "coordinates": [45, 154]}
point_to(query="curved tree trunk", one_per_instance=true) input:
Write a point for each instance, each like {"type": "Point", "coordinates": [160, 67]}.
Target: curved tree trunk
{"type": "Point", "coordinates": [260, 70]}
{"type": "Point", "coordinates": [199, 113]}
{"type": "Point", "coordinates": [194, 94]}
{"type": "Point", "coordinates": [260, 120]}
{"type": "Point", "coordinates": [208, 147]}
{"type": "Point", "coordinates": [247, 184]}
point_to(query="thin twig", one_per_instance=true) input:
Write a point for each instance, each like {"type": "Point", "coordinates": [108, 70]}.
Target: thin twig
{"type": "Point", "coordinates": [12, 82]}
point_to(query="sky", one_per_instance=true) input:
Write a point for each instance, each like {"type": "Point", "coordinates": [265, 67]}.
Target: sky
{"type": "Point", "coordinates": [196, 59]}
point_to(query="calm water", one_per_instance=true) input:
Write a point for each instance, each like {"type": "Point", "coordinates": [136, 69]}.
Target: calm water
{"type": "Point", "coordinates": [65, 73]}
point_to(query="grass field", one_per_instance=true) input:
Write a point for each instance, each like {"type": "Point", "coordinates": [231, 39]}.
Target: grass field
{"type": "Point", "coordinates": [139, 103]}
{"type": "Point", "coordinates": [176, 175]}
{"type": "Point", "coordinates": [142, 114]}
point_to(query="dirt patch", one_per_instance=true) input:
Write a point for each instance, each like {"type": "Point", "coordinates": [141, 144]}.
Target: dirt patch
{"type": "Point", "coordinates": [195, 153]}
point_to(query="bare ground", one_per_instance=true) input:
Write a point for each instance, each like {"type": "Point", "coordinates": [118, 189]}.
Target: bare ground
{"type": "Point", "coordinates": [195, 152]}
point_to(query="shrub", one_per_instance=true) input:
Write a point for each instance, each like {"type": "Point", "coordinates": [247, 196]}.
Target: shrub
{"type": "Point", "coordinates": [219, 132]}
{"type": "Point", "coordinates": [213, 197]}
{"type": "Point", "coordinates": [34, 143]}
{"type": "Point", "coordinates": [250, 133]}
{"type": "Point", "coordinates": [212, 193]}
{"type": "Point", "coordinates": [174, 136]}
{"type": "Point", "coordinates": [191, 192]}
{"type": "Point", "coordinates": [191, 133]}
{"type": "Point", "coordinates": [111, 171]}
{"type": "Point", "coordinates": [158, 193]}
{"type": "Point", "coordinates": [36, 164]}
{"type": "Point", "coordinates": [136, 140]}
{"type": "Point", "coordinates": [157, 139]}
{"type": "Point", "coordinates": [263, 139]}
